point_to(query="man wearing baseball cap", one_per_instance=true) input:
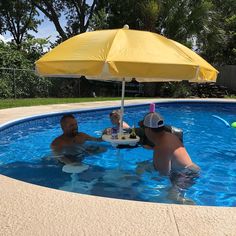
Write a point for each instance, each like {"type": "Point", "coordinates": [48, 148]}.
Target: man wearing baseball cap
{"type": "Point", "coordinates": [170, 155]}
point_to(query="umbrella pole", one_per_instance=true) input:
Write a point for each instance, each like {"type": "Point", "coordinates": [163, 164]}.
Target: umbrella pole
{"type": "Point", "coordinates": [122, 107]}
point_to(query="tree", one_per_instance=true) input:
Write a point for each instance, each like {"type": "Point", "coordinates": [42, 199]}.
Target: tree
{"type": "Point", "coordinates": [77, 15]}
{"type": "Point", "coordinates": [34, 48]}
{"type": "Point", "coordinates": [18, 78]}
{"type": "Point", "coordinates": [218, 42]}
{"type": "Point", "coordinates": [183, 20]}
{"type": "Point", "coordinates": [123, 12]}
{"type": "Point", "coordinates": [18, 17]}
{"type": "Point", "coordinates": [149, 12]}
{"type": "Point", "coordinates": [52, 10]}
{"type": "Point", "coordinates": [99, 20]}
{"type": "Point", "coordinates": [176, 19]}
{"type": "Point", "coordinates": [138, 14]}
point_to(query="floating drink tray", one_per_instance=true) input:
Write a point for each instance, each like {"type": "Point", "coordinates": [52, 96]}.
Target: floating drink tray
{"type": "Point", "coordinates": [123, 140]}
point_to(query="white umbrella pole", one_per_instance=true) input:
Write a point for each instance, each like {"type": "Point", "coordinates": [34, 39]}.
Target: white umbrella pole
{"type": "Point", "coordinates": [122, 106]}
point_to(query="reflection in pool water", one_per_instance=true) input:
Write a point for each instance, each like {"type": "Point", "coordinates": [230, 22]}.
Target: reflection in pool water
{"type": "Point", "coordinates": [25, 155]}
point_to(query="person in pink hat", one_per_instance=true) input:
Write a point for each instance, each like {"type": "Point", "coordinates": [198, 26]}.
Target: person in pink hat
{"type": "Point", "coordinates": [170, 157]}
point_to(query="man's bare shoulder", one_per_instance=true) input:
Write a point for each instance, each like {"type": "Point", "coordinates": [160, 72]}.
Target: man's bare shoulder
{"type": "Point", "coordinates": [172, 139]}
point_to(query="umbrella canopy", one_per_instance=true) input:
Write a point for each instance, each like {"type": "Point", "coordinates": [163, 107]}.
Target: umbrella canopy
{"type": "Point", "coordinates": [123, 53]}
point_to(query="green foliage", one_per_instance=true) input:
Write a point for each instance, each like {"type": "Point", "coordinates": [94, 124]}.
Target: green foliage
{"type": "Point", "coordinates": [180, 90]}
{"type": "Point", "coordinates": [176, 89]}
{"type": "Point", "coordinates": [22, 84]}
{"type": "Point", "coordinates": [17, 79]}
{"type": "Point", "coordinates": [179, 20]}
{"type": "Point", "coordinates": [123, 12]}
{"type": "Point", "coordinates": [218, 43]}
{"type": "Point", "coordinates": [138, 14]}
{"type": "Point", "coordinates": [6, 86]}
{"type": "Point", "coordinates": [99, 20]}
{"type": "Point", "coordinates": [65, 87]}
{"type": "Point", "coordinates": [182, 20]}
{"type": "Point", "coordinates": [34, 48]}
{"type": "Point", "coordinates": [18, 17]}
{"type": "Point", "coordinates": [29, 85]}
{"type": "Point", "coordinates": [149, 11]}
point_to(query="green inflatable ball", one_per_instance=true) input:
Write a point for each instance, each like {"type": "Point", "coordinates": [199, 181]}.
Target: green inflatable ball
{"type": "Point", "coordinates": [233, 125]}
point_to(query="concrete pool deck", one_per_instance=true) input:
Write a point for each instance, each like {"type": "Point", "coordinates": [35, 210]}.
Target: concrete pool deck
{"type": "Point", "coordinates": [27, 209]}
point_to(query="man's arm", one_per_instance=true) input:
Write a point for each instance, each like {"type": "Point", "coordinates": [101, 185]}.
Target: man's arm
{"type": "Point", "coordinates": [90, 138]}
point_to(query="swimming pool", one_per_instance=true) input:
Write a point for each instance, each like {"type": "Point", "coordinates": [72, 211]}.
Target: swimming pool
{"type": "Point", "coordinates": [112, 174]}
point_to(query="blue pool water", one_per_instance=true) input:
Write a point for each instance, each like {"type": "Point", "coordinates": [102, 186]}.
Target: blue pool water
{"type": "Point", "coordinates": [25, 155]}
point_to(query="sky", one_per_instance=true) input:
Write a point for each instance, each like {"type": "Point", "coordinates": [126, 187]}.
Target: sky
{"type": "Point", "coordinates": [45, 29]}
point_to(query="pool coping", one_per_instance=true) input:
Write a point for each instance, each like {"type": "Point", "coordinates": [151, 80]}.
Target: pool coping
{"type": "Point", "coordinates": [27, 209]}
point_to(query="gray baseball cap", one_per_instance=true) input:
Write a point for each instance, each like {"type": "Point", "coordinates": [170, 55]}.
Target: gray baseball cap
{"type": "Point", "coordinates": [153, 120]}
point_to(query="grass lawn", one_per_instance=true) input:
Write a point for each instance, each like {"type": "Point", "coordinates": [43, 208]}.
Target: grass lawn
{"type": "Point", "coordinates": [9, 103]}
{"type": "Point", "coordinates": [231, 96]}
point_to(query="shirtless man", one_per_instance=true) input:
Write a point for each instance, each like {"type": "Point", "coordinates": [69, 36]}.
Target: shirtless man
{"type": "Point", "coordinates": [69, 138]}
{"type": "Point", "coordinates": [169, 154]}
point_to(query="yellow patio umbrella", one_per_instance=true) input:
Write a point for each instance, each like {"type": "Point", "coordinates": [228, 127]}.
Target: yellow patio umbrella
{"type": "Point", "coordinates": [123, 54]}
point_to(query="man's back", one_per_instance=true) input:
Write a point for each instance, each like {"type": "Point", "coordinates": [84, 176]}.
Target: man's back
{"type": "Point", "coordinates": [170, 154]}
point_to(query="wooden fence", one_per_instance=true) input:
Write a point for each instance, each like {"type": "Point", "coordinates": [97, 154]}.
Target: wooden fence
{"type": "Point", "coordinates": [227, 76]}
